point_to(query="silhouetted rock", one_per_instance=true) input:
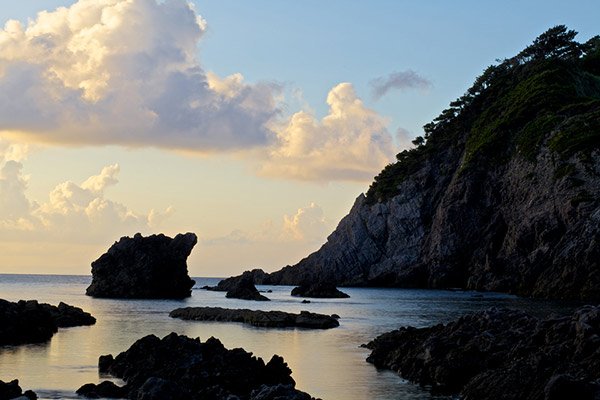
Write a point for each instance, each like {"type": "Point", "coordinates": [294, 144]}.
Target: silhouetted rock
{"type": "Point", "coordinates": [269, 319]}
{"type": "Point", "coordinates": [152, 267]}
{"type": "Point", "coordinates": [103, 389]}
{"type": "Point", "coordinates": [322, 290]}
{"type": "Point", "coordinates": [256, 276]}
{"type": "Point", "coordinates": [279, 392]}
{"type": "Point", "coordinates": [244, 289]}
{"type": "Point", "coordinates": [177, 367]}
{"type": "Point", "coordinates": [11, 390]}
{"type": "Point", "coordinates": [33, 322]}
{"type": "Point", "coordinates": [499, 354]}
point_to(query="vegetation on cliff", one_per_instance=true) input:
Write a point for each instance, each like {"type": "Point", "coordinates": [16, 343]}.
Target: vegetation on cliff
{"type": "Point", "coordinates": [547, 94]}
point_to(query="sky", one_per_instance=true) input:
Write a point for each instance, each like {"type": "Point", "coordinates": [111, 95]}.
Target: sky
{"type": "Point", "coordinates": [254, 125]}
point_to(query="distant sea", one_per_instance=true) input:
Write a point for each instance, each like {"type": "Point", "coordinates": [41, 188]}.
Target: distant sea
{"type": "Point", "coordinates": [329, 364]}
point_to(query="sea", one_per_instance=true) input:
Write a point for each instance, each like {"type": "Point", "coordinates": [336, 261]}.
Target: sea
{"type": "Point", "coordinates": [328, 364]}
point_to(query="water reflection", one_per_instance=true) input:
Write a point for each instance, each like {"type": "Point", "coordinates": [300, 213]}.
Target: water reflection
{"type": "Point", "coordinates": [327, 364]}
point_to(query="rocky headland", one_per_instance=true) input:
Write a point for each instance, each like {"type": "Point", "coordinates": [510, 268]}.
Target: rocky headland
{"type": "Point", "coordinates": [32, 322]}
{"type": "Point", "coordinates": [323, 290]}
{"type": "Point", "coordinates": [502, 193]}
{"type": "Point", "coordinates": [499, 354]}
{"type": "Point", "coordinates": [264, 319]}
{"type": "Point", "coordinates": [177, 367]}
{"type": "Point", "coordinates": [152, 267]}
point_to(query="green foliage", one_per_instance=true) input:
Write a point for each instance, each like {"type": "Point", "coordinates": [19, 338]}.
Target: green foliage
{"type": "Point", "coordinates": [547, 94]}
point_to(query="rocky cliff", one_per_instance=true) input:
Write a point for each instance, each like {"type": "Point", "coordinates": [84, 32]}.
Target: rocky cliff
{"type": "Point", "coordinates": [502, 193]}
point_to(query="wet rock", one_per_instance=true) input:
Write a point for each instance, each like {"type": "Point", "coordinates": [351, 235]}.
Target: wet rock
{"type": "Point", "coordinates": [12, 391]}
{"type": "Point", "coordinates": [177, 366]}
{"type": "Point", "coordinates": [33, 322]}
{"type": "Point", "coordinates": [152, 267]}
{"type": "Point", "coordinates": [244, 289]}
{"type": "Point", "coordinates": [104, 389]}
{"type": "Point", "coordinates": [268, 319]}
{"type": "Point", "coordinates": [499, 354]}
{"type": "Point", "coordinates": [319, 290]}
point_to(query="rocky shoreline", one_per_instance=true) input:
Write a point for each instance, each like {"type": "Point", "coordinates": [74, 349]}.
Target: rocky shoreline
{"type": "Point", "coordinates": [32, 322]}
{"type": "Point", "coordinates": [178, 367]}
{"type": "Point", "coordinates": [263, 319]}
{"type": "Point", "coordinates": [499, 354]}
{"type": "Point", "coordinates": [12, 391]}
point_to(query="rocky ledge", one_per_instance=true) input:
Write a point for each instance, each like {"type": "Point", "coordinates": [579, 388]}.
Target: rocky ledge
{"type": "Point", "coordinates": [178, 367]}
{"type": "Point", "coordinates": [12, 391]}
{"type": "Point", "coordinates": [321, 290]}
{"type": "Point", "coordinates": [266, 319]}
{"type": "Point", "coordinates": [152, 267]}
{"type": "Point", "coordinates": [499, 354]}
{"type": "Point", "coordinates": [32, 322]}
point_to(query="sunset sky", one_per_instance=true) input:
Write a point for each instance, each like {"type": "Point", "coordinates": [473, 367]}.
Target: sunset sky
{"type": "Point", "coordinates": [254, 124]}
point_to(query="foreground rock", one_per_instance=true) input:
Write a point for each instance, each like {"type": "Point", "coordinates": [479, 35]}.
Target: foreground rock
{"type": "Point", "coordinates": [267, 319]}
{"type": "Point", "coordinates": [178, 367]}
{"type": "Point", "coordinates": [244, 289]}
{"type": "Point", "coordinates": [12, 390]}
{"type": "Point", "coordinates": [32, 322]}
{"type": "Point", "coordinates": [322, 290]}
{"type": "Point", "coordinates": [152, 267]}
{"type": "Point", "coordinates": [499, 354]}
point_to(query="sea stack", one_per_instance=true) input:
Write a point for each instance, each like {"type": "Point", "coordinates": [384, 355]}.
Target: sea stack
{"type": "Point", "coordinates": [152, 267]}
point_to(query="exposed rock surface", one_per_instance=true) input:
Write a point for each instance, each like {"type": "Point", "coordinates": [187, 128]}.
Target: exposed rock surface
{"type": "Point", "coordinates": [33, 322]}
{"type": "Point", "coordinates": [321, 290]}
{"type": "Point", "coordinates": [180, 367]}
{"type": "Point", "coordinates": [499, 354]}
{"type": "Point", "coordinates": [503, 194]}
{"type": "Point", "coordinates": [256, 276]}
{"type": "Point", "coordinates": [12, 390]}
{"type": "Point", "coordinates": [152, 267]}
{"type": "Point", "coordinates": [244, 289]}
{"type": "Point", "coordinates": [268, 319]}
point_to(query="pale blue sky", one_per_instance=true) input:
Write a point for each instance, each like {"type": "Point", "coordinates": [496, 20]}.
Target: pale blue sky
{"type": "Point", "coordinates": [264, 206]}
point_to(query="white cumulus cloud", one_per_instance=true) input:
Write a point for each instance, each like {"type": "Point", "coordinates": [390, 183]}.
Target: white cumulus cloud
{"type": "Point", "coordinates": [351, 143]}
{"type": "Point", "coordinates": [124, 72]}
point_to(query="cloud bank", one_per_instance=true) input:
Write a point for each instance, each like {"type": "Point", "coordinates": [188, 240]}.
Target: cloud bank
{"type": "Point", "coordinates": [128, 72]}
{"type": "Point", "coordinates": [398, 80]}
{"type": "Point", "coordinates": [77, 213]}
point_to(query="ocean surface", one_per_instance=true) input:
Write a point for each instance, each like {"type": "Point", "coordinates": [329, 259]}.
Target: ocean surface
{"type": "Point", "coordinates": [329, 364]}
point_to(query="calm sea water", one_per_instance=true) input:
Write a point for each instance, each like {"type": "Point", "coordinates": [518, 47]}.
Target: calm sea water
{"type": "Point", "coordinates": [327, 364]}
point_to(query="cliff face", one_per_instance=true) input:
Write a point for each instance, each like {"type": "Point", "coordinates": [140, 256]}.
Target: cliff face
{"type": "Point", "coordinates": [503, 196]}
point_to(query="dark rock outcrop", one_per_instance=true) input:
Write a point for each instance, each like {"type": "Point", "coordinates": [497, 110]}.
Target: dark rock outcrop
{"type": "Point", "coordinates": [184, 368]}
{"type": "Point", "coordinates": [256, 276]}
{"type": "Point", "coordinates": [502, 193]}
{"type": "Point", "coordinates": [323, 290]}
{"type": "Point", "coordinates": [499, 354]}
{"type": "Point", "coordinates": [267, 319]}
{"type": "Point", "coordinates": [152, 267]}
{"type": "Point", "coordinates": [33, 322]}
{"type": "Point", "coordinates": [12, 390]}
{"type": "Point", "coordinates": [244, 289]}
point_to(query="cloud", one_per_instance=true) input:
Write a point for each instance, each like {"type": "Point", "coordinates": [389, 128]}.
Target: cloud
{"type": "Point", "coordinates": [351, 143]}
{"type": "Point", "coordinates": [124, 72]}
{"type": "Point", "coordinates": [398, 80]}
{"type": "Point", "coordinates": [78, 213]}
{"type": "Point", "coordinates": [307, 225]}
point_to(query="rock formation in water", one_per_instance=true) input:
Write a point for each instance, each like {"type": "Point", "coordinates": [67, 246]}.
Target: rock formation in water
{"type": "Point", "coordinates": [152, 267]}
{"type": "Point", "coordinates": [321, 290]}
{"type": "Point", "coordinates": [184, 368]}
{"type": "Point", "coordinates": [501, 194]}
{"type": "Point", "coordinates": [244, 289]}
{"type": "Point", "coordinates": [499, 354]}
{"type": "Point", "coordinates": [265, 319]}
{"type": "Point", "coordinates": [12, 391]}
{"type": "Point", "coordinates": [32, 322]}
